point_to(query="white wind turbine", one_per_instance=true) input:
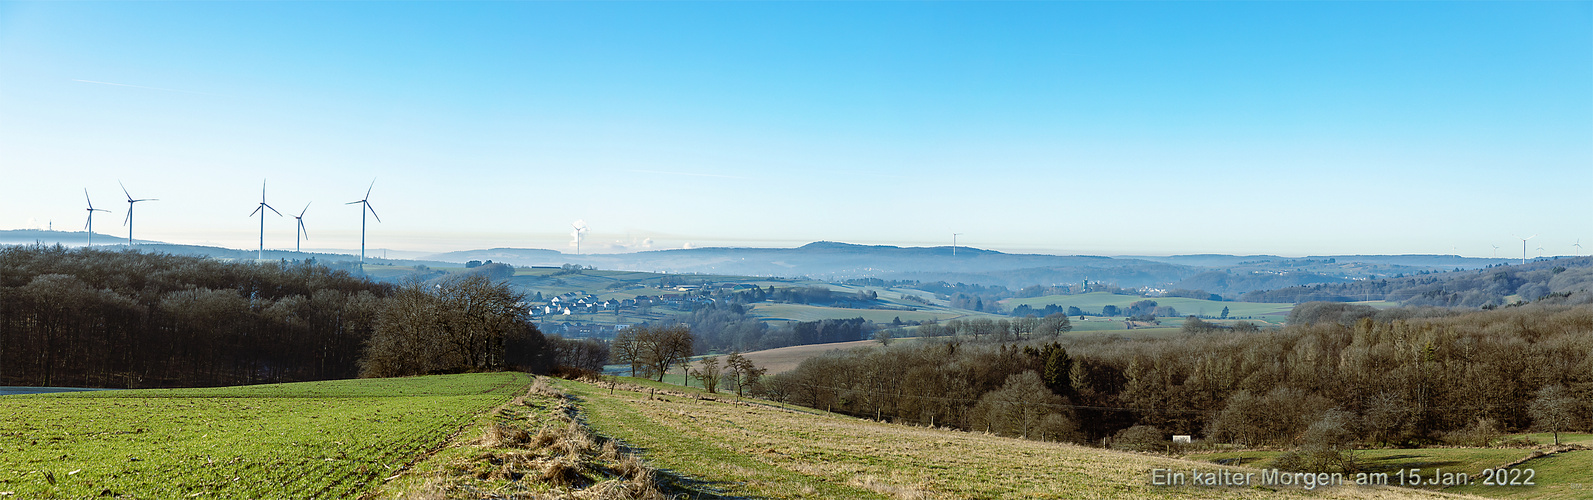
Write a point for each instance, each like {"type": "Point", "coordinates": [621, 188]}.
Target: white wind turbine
{"type": "Point", "coordinates": [129, 220]}
{"type": "Point", "coordinates": [261, 210]}
{"type": "Point", "coordinates": [1496, 251]}
{"type": "Point", "coordinates": [365, 205]}
{"type": "Point", "coordinates": [91, 211]}
{"type": "Point", "coordinates": [1578, 246]}
{"type": "Point", "coordinates": [1524, 247]}
{"type": "Point", "coordinates": [578, 234]}
{"type": "Point", "coordinates": [300, 230]}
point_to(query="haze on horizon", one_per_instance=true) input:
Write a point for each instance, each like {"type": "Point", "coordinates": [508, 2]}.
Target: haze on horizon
{"type": "Point", "coordinates": [1290, 128]}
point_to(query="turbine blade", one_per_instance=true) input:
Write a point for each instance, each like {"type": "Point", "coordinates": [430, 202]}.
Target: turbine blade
{"type": "Point", "coordinates": [256, 210]}
{"type": "Point", "coordinates": [129, 217]}
{"type": "Point", "coordinates": [279, 214]}
{"type": "Point", "coordinates": [373, 212]}
{"type": "Point", "coordinates": [86, 197]}
{"type": "Point", "coordinates": [90, 222]}
{"type": "Point", "coordinates": [353, 202]}
{"type": "Point", "coordinates": [302, 231]}
{"type": "Point", "coordinates": [306, 209]}
{"type": "Point", "coordinates": [368, 190]}
{"type": "Point", "coordinates": [262, 190]}
{"type": "Point", "coordinates": [124, 189]}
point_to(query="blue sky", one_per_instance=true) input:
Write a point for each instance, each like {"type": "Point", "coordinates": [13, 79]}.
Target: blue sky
{"type": "Point", "coordinates": [1290, 128]}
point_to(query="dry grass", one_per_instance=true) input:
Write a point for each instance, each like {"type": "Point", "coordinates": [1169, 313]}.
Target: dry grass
{"type": "Point", "coordinates": [757, 451]}
{"type": "Point", "coordinates": [562, 459]}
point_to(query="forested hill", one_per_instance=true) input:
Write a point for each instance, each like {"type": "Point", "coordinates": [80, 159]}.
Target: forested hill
{"type": "Point", "coordinates": [75, 239]}
{"type": "Point", "coordinates": [840, 261]}
{"type": "Point", "coordinates": [1487, 287]}
{"type": "Point", "coordinates": [127, 319]}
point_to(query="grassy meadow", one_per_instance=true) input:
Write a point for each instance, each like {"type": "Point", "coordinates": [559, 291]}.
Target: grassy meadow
{"type": "Point", "coordinates": [1557, 476]}
{"type": "Point", "coordinates": [333, 439]}
{"type": "Point", "coordinates": [712, 447]}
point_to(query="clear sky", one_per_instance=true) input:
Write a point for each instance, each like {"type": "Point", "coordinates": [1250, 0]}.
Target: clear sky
{"type": "Point", "coordinates": [1291, 128]}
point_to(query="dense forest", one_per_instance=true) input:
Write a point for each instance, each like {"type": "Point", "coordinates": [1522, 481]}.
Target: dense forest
{"type": "Point", "coordinates": [126, 319]}
{"type": "Point", "coordinates": [727, 327]}
{"type": "Point", "coordinates": [1418, 375]}
{"type": "Point", "coordinates": [1488, 287]}
{"type": "Point", "coordinates": [102, 318]}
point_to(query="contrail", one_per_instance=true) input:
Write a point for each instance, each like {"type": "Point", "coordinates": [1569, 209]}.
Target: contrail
{"type": "Point", "coordinates": [142, 87]}
{"type": "Point", "coordinates": [688, 174]}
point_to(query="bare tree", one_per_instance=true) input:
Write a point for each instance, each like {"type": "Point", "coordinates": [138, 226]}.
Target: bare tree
{"type": "Point", "coordinates": [709, 371]}
{"type": "Point", "coordinates": [662, 347]}
{"type": "Point", "coordinates": [626, 350]}
{"type": "Point", "coordinates": [461, 323]}
{"type": "Point", "coordinates": [743, 373]}
{"type": "Point", "coordinates": [1554, 409]}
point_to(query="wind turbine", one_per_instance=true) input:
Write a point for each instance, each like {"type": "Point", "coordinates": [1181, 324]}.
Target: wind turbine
{"type": "Point", "coordinates": [1496, 251]}
{"type": "Point", "coordinates": [365, 204]}
{"type": "Point", "coordinates": [578, 234]}
{"type": "Point", "coordinates": [129, 220]}
{"type": "Point", "coordinates": [954, 244]}
{"type": "Point", "coordinates": [1578, 246]}
{"type": "Point", "coordinates": [1524, 247]}
{"type": "Point", "coordinates": [91, 211]}
{"type": "Point", "coordinates": [300, 230]}
{"type": "Point", "coordinates": [261, 210]}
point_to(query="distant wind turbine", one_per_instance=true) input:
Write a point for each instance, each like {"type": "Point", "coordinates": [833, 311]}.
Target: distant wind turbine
{"type": "Point", "coordinates": [300, 230]}
{"type": "Point", "coordinates": [129, 220]}
{"type": "Point", "coordinates": [578, 234]}
{"type": "Point", "coordinates": [91, 211]}
{"type": "Point", "coordinates": [954, 244]}
{"type": "Point", "coordinates": [1578, 246]}
{"type": "Point", "coordinates": [1524, 247]}
{"type": "Point", "coordinates": [261, 210]}
{"type": "Point", "coordinates": [365, 205]}
{"type": "Point", "coordinates": [1496, 251]}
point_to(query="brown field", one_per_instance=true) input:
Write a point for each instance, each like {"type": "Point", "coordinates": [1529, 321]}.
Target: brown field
{"type": "Point", "coordinates": [786, 359]}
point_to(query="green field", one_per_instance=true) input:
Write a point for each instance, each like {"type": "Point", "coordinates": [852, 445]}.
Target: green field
{"type": "Point", "coordinates": [803, 312]}
{"type": "Point", "coordinates": [316, 439]}
{"type": "Point", "coordinates": [1558, 476]}
{"type": "Point", "coordinates": [1093, 302]}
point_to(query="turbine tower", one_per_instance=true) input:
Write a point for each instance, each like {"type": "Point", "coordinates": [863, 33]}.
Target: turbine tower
{"type": "Point", "coordinates": [1524, 247]}
{"type": "Point", "coordinates": [129, 220]}
{"type": "Point", "coordinates": [261, 210]}
{"type": "Point", "coordinates": [91, 211]}
{"type": "Point", "coordinates": [300, 230]}
{"type": "Point", "coordinates": [578, 234]}
{"type": "Point", "coordinates": [954, 244]}
{"type": "Point", "coordinates": [365, 205]}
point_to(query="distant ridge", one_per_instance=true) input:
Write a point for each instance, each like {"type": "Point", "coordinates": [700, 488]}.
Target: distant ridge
{"type": "Point", "coordinates": [75, 239]}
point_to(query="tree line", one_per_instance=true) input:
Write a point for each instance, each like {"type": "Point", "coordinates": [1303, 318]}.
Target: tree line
{"type": "Point", "coordinates": [1489, 287]}
{"type": "Point", "coordinates": [127, 319]}
{"type": "Point", "coordinates": [1412, 377]}
{"type": "Point", "coordinates": [104, 318]}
